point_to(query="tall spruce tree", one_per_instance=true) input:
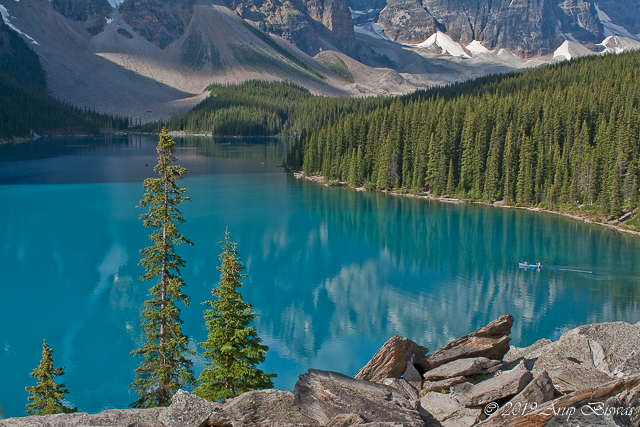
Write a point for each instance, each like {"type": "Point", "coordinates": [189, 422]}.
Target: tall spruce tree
{"type": "Point", "coordinates": [46, 396]}
{"type": "Point", "coordinates": [233, 348]}
{"type": "Point", "coordinates": [165, 366]}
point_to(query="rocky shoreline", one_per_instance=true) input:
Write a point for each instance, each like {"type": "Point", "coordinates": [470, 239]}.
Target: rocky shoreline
{"type": "Point", "coordinates": [589, 376]}
{"type": "Point", "coordinates": [320, 180]}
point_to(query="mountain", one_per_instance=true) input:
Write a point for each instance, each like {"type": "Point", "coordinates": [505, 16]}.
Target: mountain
{"type": "Point", "coordinates": [150, 59]}
{"type": "Point", "coordinates": [526, 27]}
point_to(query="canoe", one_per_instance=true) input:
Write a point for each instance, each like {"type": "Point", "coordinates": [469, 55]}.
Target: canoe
{"type": "Point", "coordinates": [521, 265]}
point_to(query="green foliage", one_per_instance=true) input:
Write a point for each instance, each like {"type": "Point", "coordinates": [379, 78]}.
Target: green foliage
{"type": "Point", "coordinates": [194, 53]}
{"type": "Point", "coordinates": [165, 366]}
{"type": "Point", "coordinates": [46, 396]}
{"type": "Point", "coordinates": [557, 136]}
{"type": "Point", "coordinates": [25, 105]}
{"type": "Point", "coordinates": [338, 66]}
{"type": "Point", "coordinates": [233, 348]}
{"type": "Point", "coordinates": [255, 108]}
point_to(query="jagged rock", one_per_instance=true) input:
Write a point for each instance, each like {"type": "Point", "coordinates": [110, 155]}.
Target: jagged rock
{"type": "Point", "coordinates": [90, 12]}
{"type": "Point", "coordinates": [617, 340]}
{"type": "Point", "coordinates": [322, 395]}
{"type": "Point", "coordinates": [188, 410]}
{"type": "Point", "coordinates": [460, 367]}
{"type": "Point", "coordinates": [445, 384]}
{"type": "Point", "coordinates": [530, 352]}
{"type": "Point", "coordinates": [630, 366]}
{"type": "Point", "coordinates": [345, 420]}
{"type": "Point", "coordinates": [161, 22]}
{"type": "Point", "coordinates": [507, 384]}
{"type": "Point", "coordinates": [412, 375]}
{"type": "Point", "coordinates": [111, 417]}
{"type": "Point", "coordinates": [391, 360]}
{"type": "Point", "coordinates": [567, 375]}
{"type": "Point", "coordinates": [491, 341]}
{"type": "Point", "coordinates": [629, 399]}
{"type": "Point", "coordinates": [573, 401]}
{"type": "Point", "coordinates": [445, 410]}
{"type": "Point", "coordinates": [538, 391]}
{"type": "Point", "coordinates": [402, 385]}
{"type": "Point", "coordinates": [262, 408]}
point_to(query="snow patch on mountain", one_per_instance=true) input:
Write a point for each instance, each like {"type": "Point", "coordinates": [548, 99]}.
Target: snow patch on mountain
{"type": "Point", "coordinates": [445, 43]}
{"type": "Point", "coordinates": [570, 50]}
{"type": "Point", "coordinates": [372, 29]}
{"type": "Point", "coordinates": [476, 48]}
{"type": "Point", "coordinates": [5, 16]}
{"type": "Point", "coordinates": [611, 29]}
{"type": "Point", "coordinates": [618, 44]}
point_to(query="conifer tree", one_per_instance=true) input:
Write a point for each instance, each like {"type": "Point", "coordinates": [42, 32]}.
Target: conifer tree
{"type": "Point", "coordinates": [233, 348]}
{"type": "Point", "coordinates": [165, 367]}
{"type": "Point", "coordinates": [46, 396]}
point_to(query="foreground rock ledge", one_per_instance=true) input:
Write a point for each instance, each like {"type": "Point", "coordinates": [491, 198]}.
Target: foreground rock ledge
{"type": "Point", "coordinates": [474, 380]}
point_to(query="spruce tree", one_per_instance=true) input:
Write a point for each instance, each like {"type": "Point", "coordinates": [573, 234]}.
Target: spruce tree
{"type": "Point", "coordinates": [46, 396]}
{"type": "Point", "coordinates": [165, 367]}
{"type": "Point", "coordinates": [233, 348]}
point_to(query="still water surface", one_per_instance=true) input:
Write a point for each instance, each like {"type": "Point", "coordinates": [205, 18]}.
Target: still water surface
{"type": "Point", "coordinates": [333, 272]}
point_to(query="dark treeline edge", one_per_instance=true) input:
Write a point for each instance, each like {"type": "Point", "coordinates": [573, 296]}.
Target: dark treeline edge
{"type": "Point", "coordinates": [561, 137]}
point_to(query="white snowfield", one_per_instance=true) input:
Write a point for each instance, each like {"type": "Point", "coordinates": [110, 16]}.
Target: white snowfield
{"type": "Point", "coordinates": [611, 29]}
{"type": "Point", "coordinates": [6, 16]}
{"type": "Point", "coordinates": [445, 43]}
{"type": "Point", "coordinates": [476, 48]}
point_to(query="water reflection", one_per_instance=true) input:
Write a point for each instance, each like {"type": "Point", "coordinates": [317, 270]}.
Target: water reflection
{"type": "Point", "coordinates": [333, 272]}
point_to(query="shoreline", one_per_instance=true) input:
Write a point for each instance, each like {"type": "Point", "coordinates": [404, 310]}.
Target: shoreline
{"type": "Point", "coordinates": [499, 204]}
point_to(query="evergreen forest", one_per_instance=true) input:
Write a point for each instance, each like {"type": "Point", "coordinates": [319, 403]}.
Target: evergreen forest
{"type": "Point", "coordinates": [257, 108]}
{"type": "Point", "coordinates": [25, 105]}
{"type": "Point", "coordinates": [563, 137]}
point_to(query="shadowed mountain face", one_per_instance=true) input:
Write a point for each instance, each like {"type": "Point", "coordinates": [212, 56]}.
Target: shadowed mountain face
{"type": "Point", "coordinates": [530, 27]}
{"type": "Point", "coordinates": [91, 13]}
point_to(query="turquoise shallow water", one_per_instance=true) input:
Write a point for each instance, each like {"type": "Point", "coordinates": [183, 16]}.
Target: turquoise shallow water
{"type": "Point", "coordinates": [333, 272]}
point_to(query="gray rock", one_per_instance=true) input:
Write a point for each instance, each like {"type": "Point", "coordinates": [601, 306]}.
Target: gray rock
{"type": "Point", "coordinates": [629, 399]}
{"type": "Point", "coordinates": [111, 417]}
{"type": "Point", "coordinates": [391, 360]}
{"type": "Point", "coordinates": [537, 392]}
{"type": "Point", "coordinates": [445, 384]}
{"type": "Point", "coordinates": [563, 405]}
{"type": "Point", "coordinates": [345, 420]}
{"type": "Point", "coordinates": [460, 367]}
{"type": "Point", "coordinates": [322, 395]}
{"type": "Point", "coordinates": [507, 384]}
{"type": "Point", "coordinates": [262, 408]}
{"type": "Point", "coordinates": [567, 375]}
{"type": "Point", "coordinates": [412, 375]}
{"type": "Point", "coordinates": [630, 366]}
{"type": "Point", "coordinates": [439, 409]}
{"type": "Point", "coordinates": [188, 410]}
{"type": "Point", "coordinates": [404, 386]}
{"type": "Point", "coordinates": [491, 341]}
{"type": "Point", "coordinates": [530, 352]}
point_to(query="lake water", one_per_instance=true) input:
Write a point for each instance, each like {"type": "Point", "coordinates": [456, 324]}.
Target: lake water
{"type": "Point", "coordinates": [333, 273]}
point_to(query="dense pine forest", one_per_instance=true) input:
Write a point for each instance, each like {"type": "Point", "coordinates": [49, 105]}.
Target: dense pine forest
{"type": "Point", "coordinates": [257, 108]}
{"type": "Point", "coordinates": [25, 106]}
{"type": "Point", "coordinates": [563, 137]}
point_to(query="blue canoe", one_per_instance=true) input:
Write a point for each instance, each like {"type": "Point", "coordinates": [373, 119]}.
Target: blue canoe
{"type": "Point", "coordinates": [521, 265]}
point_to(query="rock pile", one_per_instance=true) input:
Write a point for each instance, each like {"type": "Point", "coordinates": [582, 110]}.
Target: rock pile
{"type": "Point", "coordinates": [590, 376]}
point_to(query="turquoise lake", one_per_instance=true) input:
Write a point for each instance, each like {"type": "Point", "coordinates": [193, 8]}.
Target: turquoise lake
{"type": "Point", "coordinates": [333, 273]}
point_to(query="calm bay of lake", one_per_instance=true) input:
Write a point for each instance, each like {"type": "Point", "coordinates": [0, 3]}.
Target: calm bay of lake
{"type": "Point", "coordinates": [333, 273]}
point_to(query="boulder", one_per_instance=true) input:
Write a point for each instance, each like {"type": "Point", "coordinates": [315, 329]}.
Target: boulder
{"type": "Point", "coordinates": [491, 341]}
{"type": "Point", "coordinates": [507, 384]}
{"type": "Point", "coordinates": [630, 366]}
{"type": "Point", "coordinates": [445, 384]}
{"type": "Point", "coordinates": [111, 417]}
{"type": "Point", "coordinates": [530, 352]}
{"type": "Point", "coordinates": [322, 395]}
{"type": "Point", "coordinates": [569, 374]}
{"type": "Point", "coordinates": [345, 420]}
{"type": "Point", "coordinates": [460, 367]}
{"type": "Point", "coordinates": [392, 359]}
{"type": "Point", "coordinates": [412, 375]}
{"type": "Point", "coordinates": [538, 391]}
{"type": "Point", "coordinates": [262, 408]}
{"type": "Point", "coordinates": [439, 409]}
{"type": "Point", "coordinates": [563, 405]}
{"type": "Point", "coordinates": [629, 399]}
{"type": "Point", "coordinates": [404, 386]}
{"type": "Point", "coordinates": [188, 410]}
